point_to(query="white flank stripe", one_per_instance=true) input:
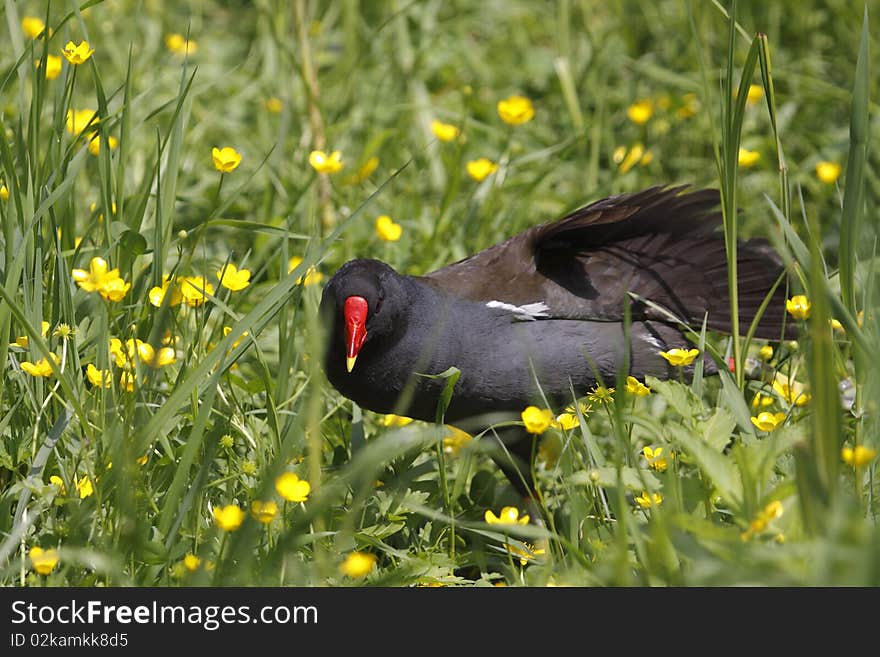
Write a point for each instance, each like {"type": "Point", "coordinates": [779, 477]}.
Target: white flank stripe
{"type": "Point", "coordinates": [654, 342]}
{"type": "Point", "coordinates": [529, 312]}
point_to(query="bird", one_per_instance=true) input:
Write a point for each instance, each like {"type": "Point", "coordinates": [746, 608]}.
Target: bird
{"type": "Point", "coordinates": [540, 318]}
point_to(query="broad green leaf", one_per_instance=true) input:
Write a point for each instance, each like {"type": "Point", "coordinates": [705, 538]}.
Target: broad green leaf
{"type": "Point", "coordinates": [733, 398]}
{"type": "Point", "coordinates": [720, 469]}
{"type": "Point", "coordinates": [718, 429]}
{"type": "Point", "coordinates": [679, 396]}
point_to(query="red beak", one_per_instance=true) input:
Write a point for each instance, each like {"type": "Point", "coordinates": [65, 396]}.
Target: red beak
{"type": "Point", "coordinates": [355, 312]}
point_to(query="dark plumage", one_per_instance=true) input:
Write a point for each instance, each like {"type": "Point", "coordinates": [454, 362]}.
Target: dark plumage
{"type": "Point", "coordinates": [543, 308]}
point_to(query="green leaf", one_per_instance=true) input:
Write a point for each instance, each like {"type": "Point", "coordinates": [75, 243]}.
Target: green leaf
{"type": "Point", "coordinates": [716, 466]}
{"type": "Point", "coordinates": [850, 225]}
{"type": "Point", "coordinates": [679, 396]}
{"type": "Point", "coordinates": [451, 375]}
{"type": "Point", "coordinates": [718, 429]}
{"type": "Point", "coordinates": [132, 243]}
{"type": "Point", "coordinates": [733, 398]}
{"type": "Point", "coordinates": [765, 453]}
{"type": "Point", "coordinates": [380, 532]}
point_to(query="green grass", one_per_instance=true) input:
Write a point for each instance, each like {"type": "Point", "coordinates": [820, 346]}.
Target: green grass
{"type": "Point", "coordinates": [222, 422]}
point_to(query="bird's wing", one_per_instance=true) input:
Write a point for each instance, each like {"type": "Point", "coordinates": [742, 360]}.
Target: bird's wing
{"type": "Point", "coordinates": [662, 245]}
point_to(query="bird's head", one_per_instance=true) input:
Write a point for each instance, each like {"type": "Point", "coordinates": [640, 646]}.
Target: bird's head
{"type": "Point", "coordinates": [366, 298]}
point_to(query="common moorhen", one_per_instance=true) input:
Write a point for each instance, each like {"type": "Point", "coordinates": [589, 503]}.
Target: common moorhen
{"type": "Point", "coordinates": [541, 315]}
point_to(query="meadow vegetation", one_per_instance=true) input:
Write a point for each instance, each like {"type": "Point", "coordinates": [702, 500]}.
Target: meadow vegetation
{"type": "Point", "coordinates": [180, 179]}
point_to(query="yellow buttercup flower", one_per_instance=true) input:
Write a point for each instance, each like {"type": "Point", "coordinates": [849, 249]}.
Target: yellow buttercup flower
{"type": "Point", "coordinates": [759, 524]}
{"type": "Point", "coordinates": [228, 518]}
{"type": "Point", "coordinates": [32, 26]}
{"type": "Point", "coordinates": [191, 562]}
{"type": "Point", "coordinates": [264, 512]}
{"type": "Point", "coordinates": [481, 168]}
{"type": "Point", "coordinates": [766, 352]}
{"type": "Point", "coordinates": [77, 54]}
{"type": "Point", "coordinates": [43, 561]}
{"type": "Point", "coordinates": [760, 399]}
{"type": "Point", "coordinates": [680, 357]}
{"type": "Point", "coordinates": [655, 458]}
{"type": "Point", "coordinates": [828, 172]}
{"type": "Point", "coordinates": [79, 120]}
{"type": "Point", "coordinates": [312, 275]}
{"type": "Point", "coordinates": [155, 357]}
{"type": "Point", "coordinates": [53, 66]}
{"type": "Point", "coordinates": [358, 564]}
{"type": "Point", "coordinates": [114, 289]}
{"type": "Point", "coordinates": [640, 112]}
{"type": "Point", "coordinates": [391, 419]}
{"type": "Point", "coordinates": [791, 391]}
{"type": "Point", "coordinates": [646, 500]}
{"type": "Point", "coordinates": [747, 158]}
{"type": "Point", "coordinates": [323, 163]}
{"type": "Point", "coordinates": [626, 159]}
{"type": "Point", "coordinates": [365, 170]}
{"type": "Point", "coordinates": [226, 159]}
{"type": "Point", "coordinates": [127, 380]}
{"type": "Point", "coordinates": [123, 356]}
{"type": "Point", "coordinates": [537, 420]}
{"type": "Point", "coordinates": [444, 131]}
{"type": "Point", "coordinates": [567, 421]}
{"type": "Point", "coordinates": [94, 146]}
{"type": "Point", "coordinates": [179, 45]}
{"type": "Point", "coordinates": [41, 368]}
{"type": "Point", "coordinates": [858, 456]}
{"type": "Point", "coordinates": [84, 487]}
{"type": "Point", "coordinates": [767, 421]}
{"type": "Point", "coordinates": [756, 526]}
{"type": "Point", "coordinates": [456, 440]}
{"type": "Point", "coordinates": [274, 105]}
{"type": "Point", "coordinates": [99, 378]}
{"type": "Point", "coordinates": [55, 480]}
{"type": "Point", "coordinates": [22, 340]}
{"type": "Point", "coordinates": [635, 387]}
{"type": "Point", "coordinates": [97, 277]}
{"type": "Point", "coordinates": [755, 94]}
{"type": "Point", "coordinates": [233, 278]}
{"type": "Point", "coordinates": [798, 306]}
{"type": "Point", "coordinates": [195, 290]}
{"type": "Point", "coordinates": [516, 110]}
{"type": "Point", "coordinates": [387, 230]}
{"type": "Point", "coordinates": [157, 294]}
{"type": "Point", "coordinates": [292, 488]}
{"type": "Point", "coordinates": [509, 515]}
{"type": "Point", "coordinates": [4, 192]}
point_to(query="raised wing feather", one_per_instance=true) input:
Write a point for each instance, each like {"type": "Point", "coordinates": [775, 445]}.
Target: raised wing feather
{"type": "Point", "coordinates": [661, 244]}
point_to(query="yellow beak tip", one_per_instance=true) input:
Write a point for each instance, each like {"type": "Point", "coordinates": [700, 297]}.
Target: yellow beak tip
{"type": "Point", "coordinates": [349, 363]}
